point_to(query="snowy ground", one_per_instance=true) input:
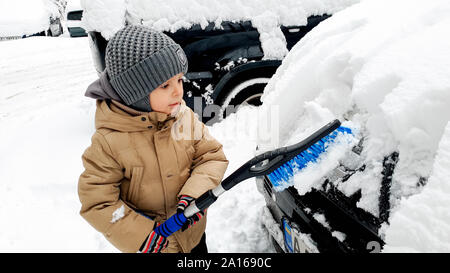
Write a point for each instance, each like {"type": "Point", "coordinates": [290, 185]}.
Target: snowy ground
{"type": "Point", "coordinates": [46, 123]}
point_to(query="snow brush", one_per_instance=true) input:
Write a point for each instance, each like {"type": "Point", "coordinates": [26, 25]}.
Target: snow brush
{"type": "Point", "coordinates": [279, 165]}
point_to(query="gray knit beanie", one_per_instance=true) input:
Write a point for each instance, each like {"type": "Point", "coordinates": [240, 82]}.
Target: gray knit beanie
{"type": "Point", "coordinates": [138, 60]}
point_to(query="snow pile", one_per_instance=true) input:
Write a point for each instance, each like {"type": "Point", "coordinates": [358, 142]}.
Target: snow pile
{"type": "Point", "coordinates": [384, 66]}
{"type": "Point", "coordinates": [234, 221]}
{"type": "Point", "coordinates": [106, 17]}
{"type": "Point", "coordinates": [422, 222]}
{"type": "Point", "coordinates": [25, 17]}
{"type": "Point", "coordinates": [73, 5]}
{"type": "Point", "coordinates": [163, 15]}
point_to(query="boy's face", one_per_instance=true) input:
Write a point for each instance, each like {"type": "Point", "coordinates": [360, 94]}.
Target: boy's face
{"type": "Point", "coordinates": [167, 97]}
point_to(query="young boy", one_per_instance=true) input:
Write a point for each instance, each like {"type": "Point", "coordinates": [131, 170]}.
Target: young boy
{"type": "Point", "coordinates": [138, 171]}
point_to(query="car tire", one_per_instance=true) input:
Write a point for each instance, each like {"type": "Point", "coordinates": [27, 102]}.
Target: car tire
{"type": "Point", "coordinates": [247, 92]}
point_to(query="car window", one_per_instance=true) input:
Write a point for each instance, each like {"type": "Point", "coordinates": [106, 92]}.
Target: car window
{"type": "Point", "coordinates": [75, 15]}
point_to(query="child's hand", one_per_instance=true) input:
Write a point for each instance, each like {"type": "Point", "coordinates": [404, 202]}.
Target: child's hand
{"type": "Point", "coordinates": [184, 202]}
{"type": "Point", "coordinates": [155, 243]}
{"type": "Point", "coordinates": [193, 220]}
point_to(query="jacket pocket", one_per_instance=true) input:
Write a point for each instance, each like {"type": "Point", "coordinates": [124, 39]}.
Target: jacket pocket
{"type": "Point", "coordinates": [135, 182]}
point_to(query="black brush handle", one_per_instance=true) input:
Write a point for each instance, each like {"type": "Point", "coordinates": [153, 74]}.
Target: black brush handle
{"type": "Point", "coordinates": [205, 200]}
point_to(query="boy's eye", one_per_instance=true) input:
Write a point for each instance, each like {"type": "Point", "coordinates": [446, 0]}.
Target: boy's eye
{"type": "Point", "coordinates": [165, 86]}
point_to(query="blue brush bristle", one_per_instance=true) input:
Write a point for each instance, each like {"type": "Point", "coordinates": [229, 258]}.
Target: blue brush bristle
{"type": "Point", "coordinates": [281, 178]}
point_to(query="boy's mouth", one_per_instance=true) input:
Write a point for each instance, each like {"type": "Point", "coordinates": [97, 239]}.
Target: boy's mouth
{"type": "Point", "coordinates": [174, 104]}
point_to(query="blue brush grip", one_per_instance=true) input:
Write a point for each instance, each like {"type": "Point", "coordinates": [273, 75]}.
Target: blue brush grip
{"type": "Point", "coordinates": [171, 225]}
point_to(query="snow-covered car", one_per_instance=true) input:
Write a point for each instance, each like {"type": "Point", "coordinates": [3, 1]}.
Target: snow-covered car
{"type": "Point", "coordinates": [23, 18]}
{"type": "Point", "coordinates": [388, 191]}
{"type": "Point", "coordinates": [74, 13]}
{"type": "Point", "coordinates": [232, 55]}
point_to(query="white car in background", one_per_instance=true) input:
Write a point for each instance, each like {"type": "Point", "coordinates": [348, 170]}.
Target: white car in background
{"type": "Point", "coordinates": [24, 18]}
{"type": "Point", "coordinates": [74, 13]}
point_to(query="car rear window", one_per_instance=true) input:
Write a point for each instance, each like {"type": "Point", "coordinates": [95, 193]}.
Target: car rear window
{"type": "Point", "coordinates": [75, 15]}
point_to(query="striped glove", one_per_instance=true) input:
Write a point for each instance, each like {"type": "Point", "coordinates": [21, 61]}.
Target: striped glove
{"type": "Point", "coordinates": [154, 244]}
{"type": "Point", "coordinates": [184, 202]}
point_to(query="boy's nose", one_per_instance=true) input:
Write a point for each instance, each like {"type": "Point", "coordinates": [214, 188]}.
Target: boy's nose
{"type": "Point", "coordinates": [178, 91]}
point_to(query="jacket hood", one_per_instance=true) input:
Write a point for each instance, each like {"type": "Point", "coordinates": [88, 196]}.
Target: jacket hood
{"type": "Point", "coordinates": [101, 89]}
{"type": "Point", "coordinates": [111, 114]}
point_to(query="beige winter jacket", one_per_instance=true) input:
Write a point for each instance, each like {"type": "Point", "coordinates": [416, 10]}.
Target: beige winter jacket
{"type": "Point", "coordinates": [144, 162]}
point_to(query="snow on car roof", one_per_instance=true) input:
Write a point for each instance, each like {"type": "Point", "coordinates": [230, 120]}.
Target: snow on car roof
{"type": "Point", "coordinates": [25, 17]}
{"type": "Point", "coordinates": [108, 16]}
{"type": "Point", "coordinates": [73, 5]}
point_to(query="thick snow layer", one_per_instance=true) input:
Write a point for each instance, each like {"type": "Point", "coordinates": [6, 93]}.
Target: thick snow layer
{"type": "Point", "coordinates": [422, 222]}
{"type": "Point", "coordinates": [108, 16]}
{"type": "Point", "coordinates": [25, 17]}
{"type": "Point", "coordinates": [73, 5]}
{"type": "Point", "coordinates": [384, 66]}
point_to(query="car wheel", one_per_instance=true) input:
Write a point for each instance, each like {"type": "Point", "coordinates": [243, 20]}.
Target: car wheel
{"type": "Point", "coordinates": [248, 92]}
